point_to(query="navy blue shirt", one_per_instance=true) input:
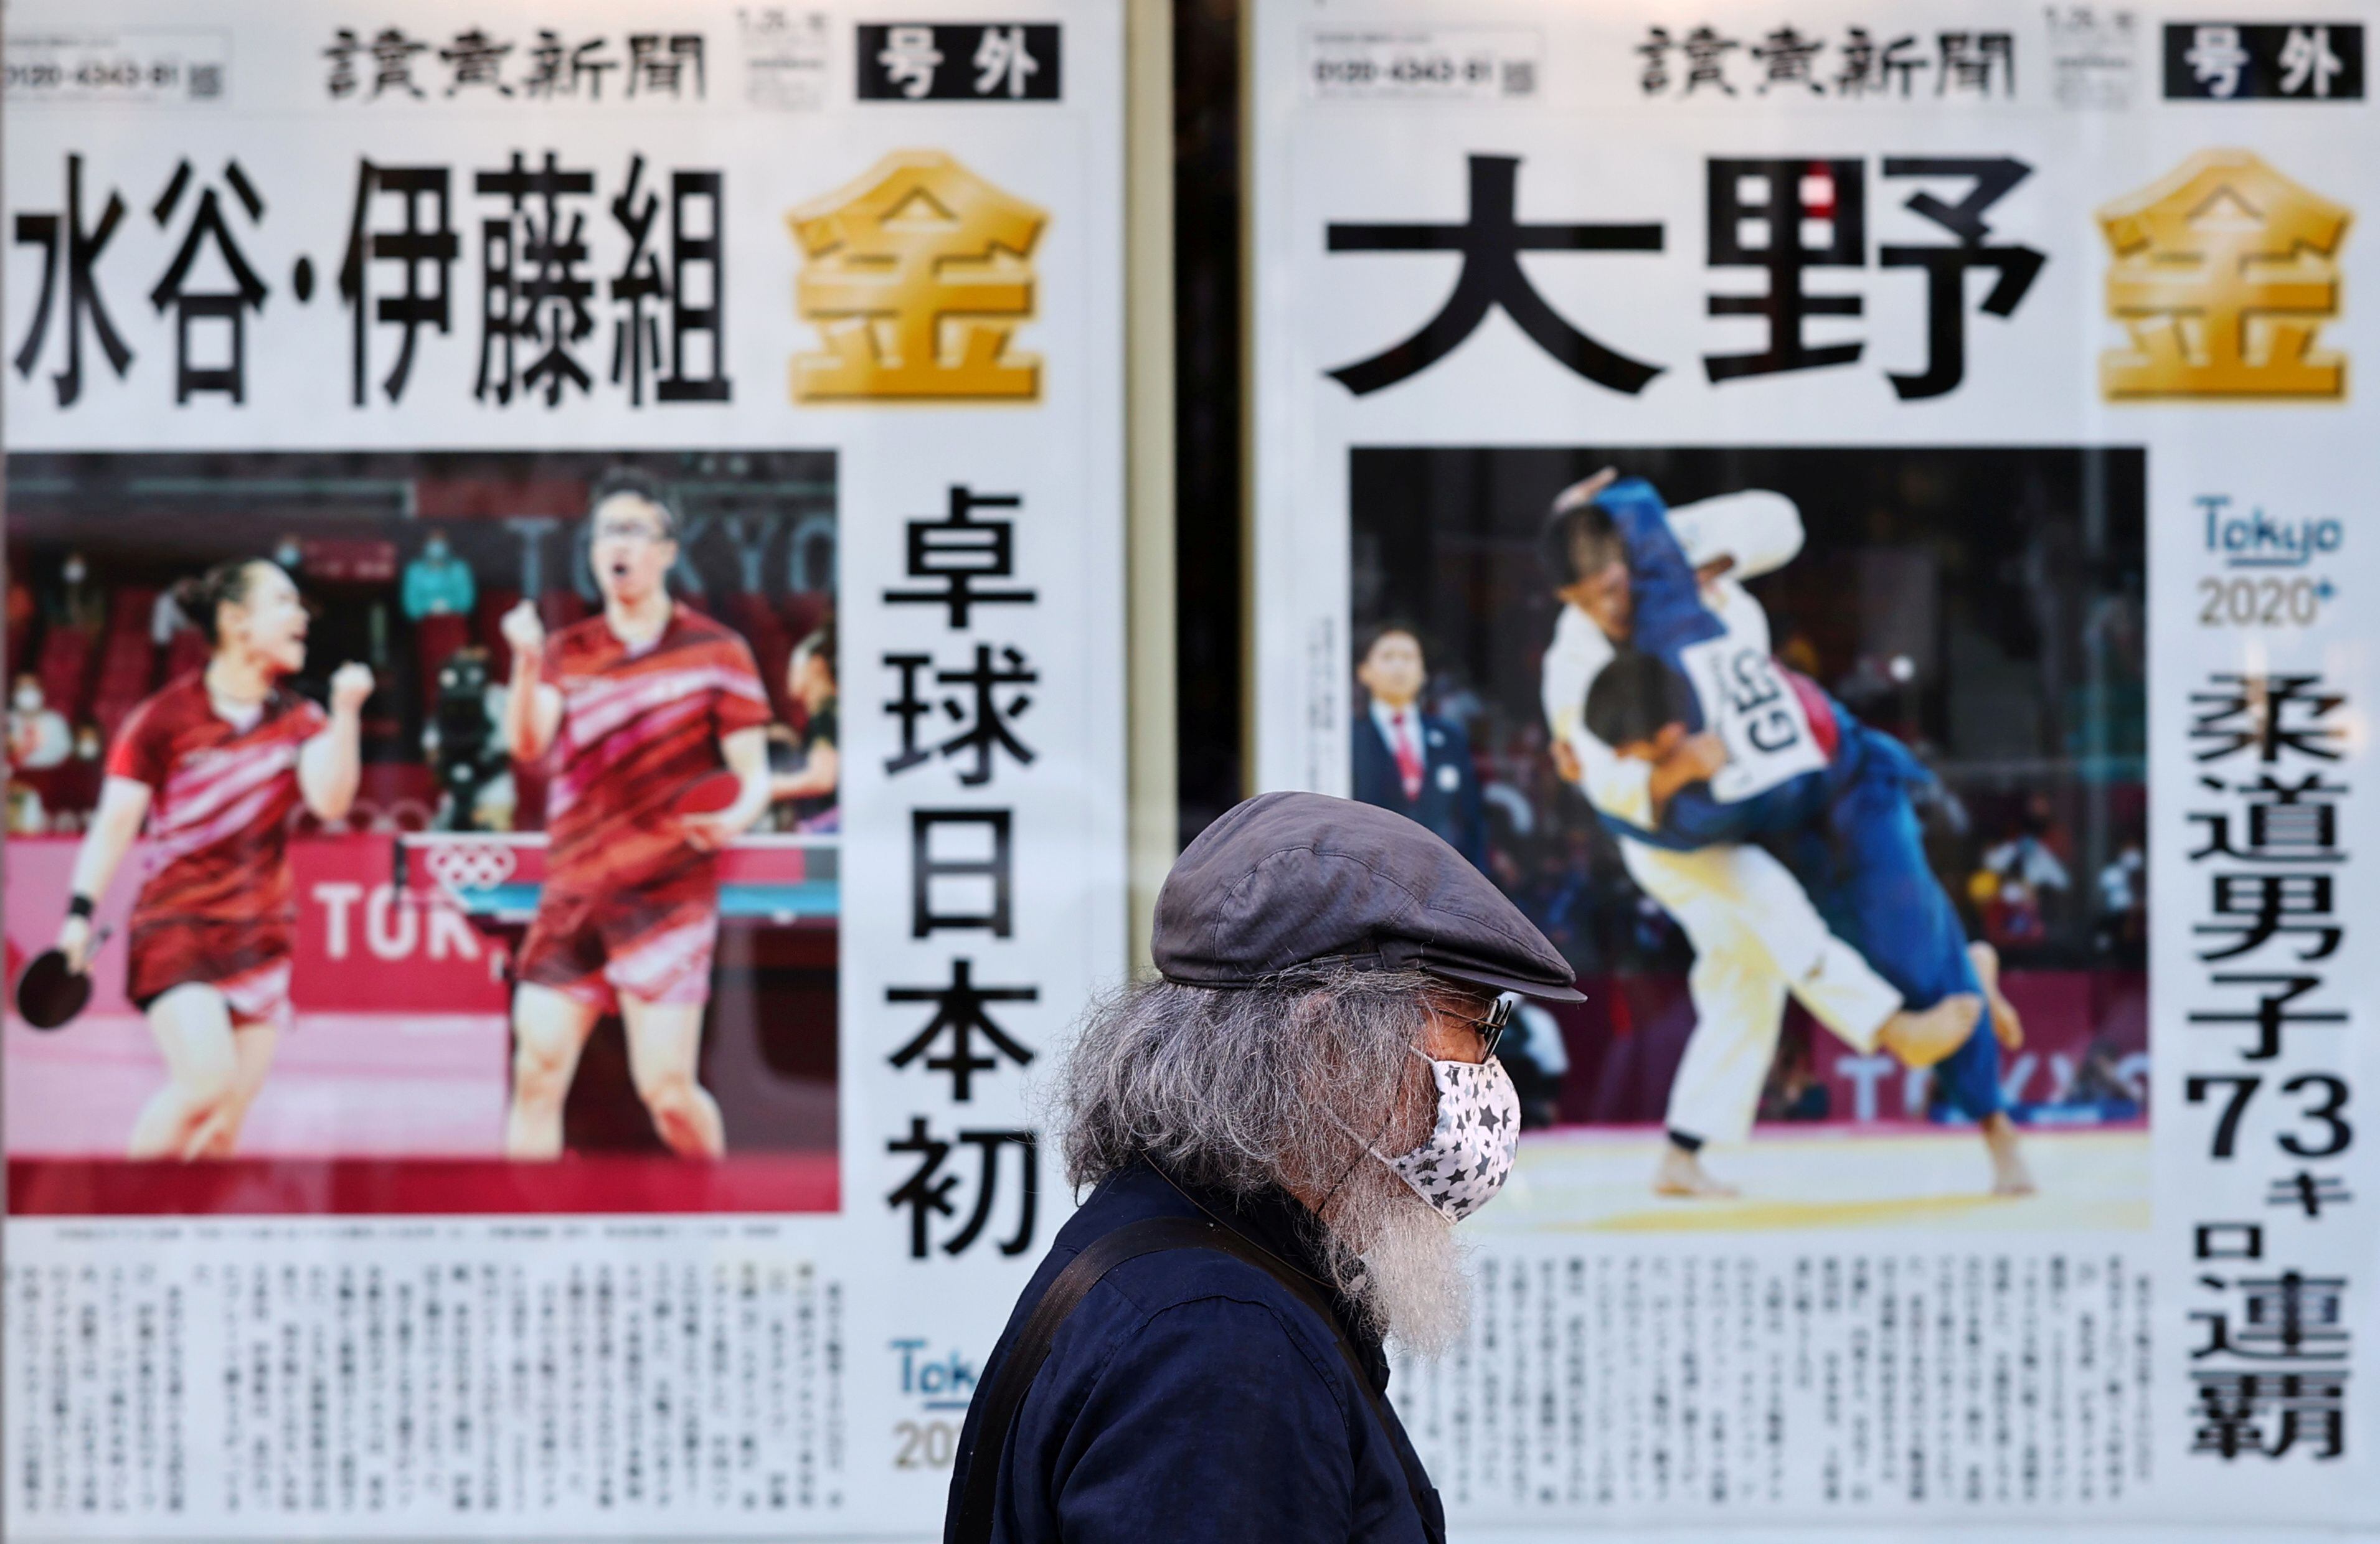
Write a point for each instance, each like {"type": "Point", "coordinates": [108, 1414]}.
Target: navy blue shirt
{"type": "Point", "coordinates": [1191, 1397]}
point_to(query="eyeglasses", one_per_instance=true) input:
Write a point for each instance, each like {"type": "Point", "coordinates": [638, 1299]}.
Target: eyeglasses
{"type": "Point", "coordinates": [1490, 1028]}
{"type": "Point", "coordinates": [629, 530]}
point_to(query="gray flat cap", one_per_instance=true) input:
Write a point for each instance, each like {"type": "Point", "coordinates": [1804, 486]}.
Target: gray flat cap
{"type": "Point", "coordinates": [1288, 879]}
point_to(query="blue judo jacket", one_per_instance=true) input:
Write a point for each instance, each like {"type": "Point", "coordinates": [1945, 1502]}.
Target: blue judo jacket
{"type": "Point", "coordinates": [1193, 1399]}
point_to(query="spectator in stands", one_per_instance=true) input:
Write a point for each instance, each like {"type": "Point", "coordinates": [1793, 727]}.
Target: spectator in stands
{"type": "Point", "coordinates": [38, 736]}
{"type": "Point", "coordinates": [290, 554]}
{"type": "Point", "coordinates": [170, 614]}
{"type": "Point", "coordinates": [26, 816]}
{"type": "Point", "coordinates": [20, 613]}
{"type": "Point", "coordinates": [810, 678]}
{"type": "Point", "coordinates": [466, 744]}
{"type": "Point", "coordinates": [438, 583]}
{"type": "Point", "coordinates": [2021, 877]}
{"type": "Point", "coordinates": [80, 603]}
{"type": "Point", "coordinates": [2122, 926]}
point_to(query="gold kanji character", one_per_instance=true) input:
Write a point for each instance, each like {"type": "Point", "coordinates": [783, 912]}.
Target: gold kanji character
{"type": "Point", "coordinates": [916, 277]}
{"type": "Point", "coordinates": [2225, 271]}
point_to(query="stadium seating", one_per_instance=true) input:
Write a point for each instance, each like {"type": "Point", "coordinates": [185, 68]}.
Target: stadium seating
{"type": "Point", "coordinates": [64, 666]}
{"type": "Point", "coordinates": [126, 660]}
{"type": "Point", "coordinates": [186, 652]}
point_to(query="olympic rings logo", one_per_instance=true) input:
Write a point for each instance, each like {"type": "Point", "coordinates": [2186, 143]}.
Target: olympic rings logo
{"type": "Point", "coordinates": [469, 865]}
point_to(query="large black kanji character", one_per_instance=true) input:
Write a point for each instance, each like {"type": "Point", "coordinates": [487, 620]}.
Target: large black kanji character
{"type": "Point", "coordinates": [2268, 1413]}
{"type": "Point", "coordinates": [927, 1192]}
{"type": "Point", "coordinates": [422, 244]}
{"type": "Point", "coordinates": [2269, 713]}
{"type": "Point", "coordinates": [533, 287]}
{"type": "Point", "coordinates": [982, 879]}
{"type": "Point", "coordinates": [984, 713]}
{"type": "Point", "coordinates": [1491, 242]}
{"type": "Point", "coordinates": [637, 289]}
{"type": "Point", "coordinates": [246, 292]}
{"type": "Point", "coordinates": [959, 1013]}
{"type": "Point", "coordinates": [1762, 214]}
{"type": "Point", "coordinates": [67, 245]}
{"type": "Point", "coordinates": [2286, 827]}
{"type": "Point", "coordinates": [697, 267]}
{"type": "Point", "coordinates": [2292, 1317]}
{"type": "Point", "coordinates": [2255, 908]}
{"type": "Point", "coordinates": [959, 552]}
{"type": "Point", "coordinates": [1946, 267]}
{"type": "Point", "coordinates": [2272, 1013]}
{"type": "Point", "coordinates": [979, 710]}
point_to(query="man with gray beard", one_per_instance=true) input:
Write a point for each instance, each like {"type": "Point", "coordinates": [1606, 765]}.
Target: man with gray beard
{"type": "Point", "coordinates": [1281, 1131]}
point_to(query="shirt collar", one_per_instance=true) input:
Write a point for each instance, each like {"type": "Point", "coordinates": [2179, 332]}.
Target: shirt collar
{"type": "Point", "coordinates": [1386, 717]}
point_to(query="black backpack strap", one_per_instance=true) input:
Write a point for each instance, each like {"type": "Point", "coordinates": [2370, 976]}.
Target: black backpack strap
{"type": "Point", "coordinates": [1031, 1348]}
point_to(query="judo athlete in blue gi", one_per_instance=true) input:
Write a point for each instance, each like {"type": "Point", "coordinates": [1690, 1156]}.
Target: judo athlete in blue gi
{"type": "Point", "coordinates": [1828, 795]}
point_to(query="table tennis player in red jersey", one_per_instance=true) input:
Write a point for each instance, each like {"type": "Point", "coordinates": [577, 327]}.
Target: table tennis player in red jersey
{"type": "Point", "coordinates": [638, 708]}
{"type": "Point", "coordinates": [216, 764]}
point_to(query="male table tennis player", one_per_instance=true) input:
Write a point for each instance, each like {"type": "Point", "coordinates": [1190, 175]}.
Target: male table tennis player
{"type": "Point", "coordinates": [1755, 934]}
{"type": "Point", "coordinates": [216, 764]}
{"type": "Point", "coordinates": [639, 706]}
{"type": "Point", "coordinates": [1741, 749]}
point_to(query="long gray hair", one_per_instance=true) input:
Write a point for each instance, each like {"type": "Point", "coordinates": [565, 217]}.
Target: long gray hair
{"type": "Point", "coordinates": [1285, 1083]}
{"type": "Point", "coordinates": [1238, 1089]}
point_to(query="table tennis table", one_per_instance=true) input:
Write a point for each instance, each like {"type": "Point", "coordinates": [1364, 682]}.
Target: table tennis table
{"type": "Point", "coordinates": [494, 878]}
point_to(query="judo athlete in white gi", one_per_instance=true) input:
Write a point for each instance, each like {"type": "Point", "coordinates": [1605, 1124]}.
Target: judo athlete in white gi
{"type": "Point", "coordinates": [1756, 935]}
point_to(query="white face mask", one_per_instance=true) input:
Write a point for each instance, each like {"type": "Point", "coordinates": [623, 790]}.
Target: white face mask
{"type": "Point", "coordinates": [74, 573]}
{"type": "Point", "coordinates": [28, 701]}
{"type": "Point", "coordinates": [1466, 1157]}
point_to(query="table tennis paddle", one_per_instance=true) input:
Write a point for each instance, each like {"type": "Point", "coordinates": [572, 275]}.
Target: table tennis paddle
{"type": "Point", "coordinates": [49, 994]}
{"type": "Point", "coordinates": [709, 794]}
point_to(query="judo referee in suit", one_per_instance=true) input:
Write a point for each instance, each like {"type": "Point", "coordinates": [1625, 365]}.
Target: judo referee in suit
{"type": "Point", "coordinates": [1412, 762]}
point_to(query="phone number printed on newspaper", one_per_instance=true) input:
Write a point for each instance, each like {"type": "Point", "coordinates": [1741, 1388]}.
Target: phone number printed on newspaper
{"type": "Point", "coordinates": [1459, 63]}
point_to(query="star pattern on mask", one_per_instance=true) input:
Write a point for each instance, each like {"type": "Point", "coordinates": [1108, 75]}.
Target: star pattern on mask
{"type": "Point", "coordinates": [1470, 1150]}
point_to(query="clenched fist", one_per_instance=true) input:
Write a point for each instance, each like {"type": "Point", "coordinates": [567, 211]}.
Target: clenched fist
{"type": "Point", "coordinates": [523, 633]}
{"type": "Point", "coordinates": [350, 684]}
